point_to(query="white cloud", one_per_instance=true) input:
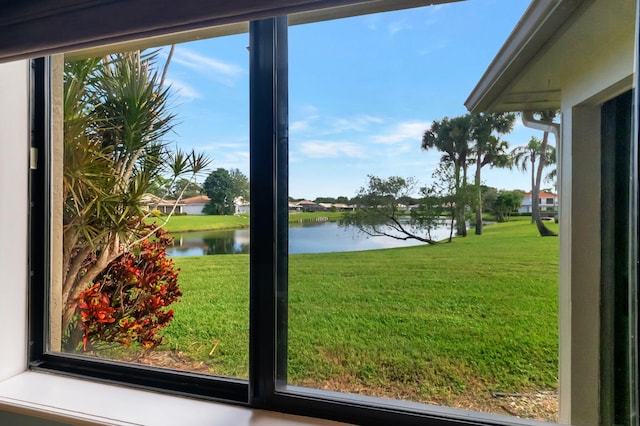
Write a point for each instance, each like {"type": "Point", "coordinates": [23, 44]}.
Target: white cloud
{"type": "Point", "coordinates": [434, 46]}
{"type": "Point", "coordinates": [185, 91]}
{"type": "Point", "coordinates": [406, 131]}
{"type": "Point", "coordinates": [299, 126]}
{"type": "Point", "coordinates": [359, 123]}
{"type": "Point", "coordinates": [309, 114]}
{"type": "Point", "coordinates": [397, 26]}
{"type": "Point", "coordinates": [216, 146]}
{"type": "Point", "coordinates": [323, 149]}
{"type": "Point", "coordinates": [232, 160]}
{"type": "Point", "coordinates": [223, 72]}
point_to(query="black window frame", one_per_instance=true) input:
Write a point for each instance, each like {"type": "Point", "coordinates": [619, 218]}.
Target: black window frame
{"type": "Point", "coordinates": [266, 387]}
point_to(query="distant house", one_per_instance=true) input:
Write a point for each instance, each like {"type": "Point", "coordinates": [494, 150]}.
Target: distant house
{"type": "Point", "coordinates": [546, 202]}
{"type": "Point", "coordinates": [310, 206]}
{"type": "Point", "coordinates": [195, 205]}
{"type": "Point", "coordinates": [242, 206]}
{"type": "Point", "coordinates": [151, 202]}
{"type": "Point", "coordinates": [294, 208]}
{"type": "Point", "coordinates": [344, 207]}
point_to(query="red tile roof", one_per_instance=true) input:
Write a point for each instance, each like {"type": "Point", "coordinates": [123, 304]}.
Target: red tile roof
{"type": "Point", "coordinates": [198, 199]}
{"type": "Point", "coordinates": [541, 195]}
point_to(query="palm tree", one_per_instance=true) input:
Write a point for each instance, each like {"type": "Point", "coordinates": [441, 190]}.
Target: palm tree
{"type": "Point", "coordinates": [489, 150]}
{"type": "Point", "coordinates": [452, 137]}
{"type": "Point", "coordinates": [116, 114]}
{"type": "Point", "coordinates": [545, 116]}
{"type": "Point", "coordinates": [526, 156]}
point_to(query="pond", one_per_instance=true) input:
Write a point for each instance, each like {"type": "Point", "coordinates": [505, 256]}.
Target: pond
{"type": "Point", "coordinates": [312, 237]}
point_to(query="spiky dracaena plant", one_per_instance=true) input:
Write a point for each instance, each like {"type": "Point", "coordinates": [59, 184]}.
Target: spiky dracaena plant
{"type": "Point", "coordinates": [116, 115]}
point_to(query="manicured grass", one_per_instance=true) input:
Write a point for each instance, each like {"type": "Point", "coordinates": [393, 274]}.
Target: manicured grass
{"type": "Point", "coordinates": [214, 308]}
{"type": "Point", "coordinates": [190, 223]}
{"type": "Point", "coordinates": [422, 323]}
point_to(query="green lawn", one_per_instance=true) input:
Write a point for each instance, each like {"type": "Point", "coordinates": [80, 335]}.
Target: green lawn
{"type": "Point", "coordinates": [422, 323]}
{"type": "Point", "coordinates": [202, 223]}
{"type": "Point", "coordinates": [190, 223]}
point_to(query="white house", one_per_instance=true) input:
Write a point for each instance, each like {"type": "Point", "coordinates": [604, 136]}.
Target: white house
{"type": "Point", "coordinates": [152, 202]}
{"type": "Point", "coordinates": [242, 206]}
{"type": "Point", "coordinates": [195, 205]}
{"type": "Point", "coordinates": [546, 202]}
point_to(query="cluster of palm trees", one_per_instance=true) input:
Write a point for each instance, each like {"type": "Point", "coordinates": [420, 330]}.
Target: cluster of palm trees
{"type": "Point", "coordinates": [474, 139]}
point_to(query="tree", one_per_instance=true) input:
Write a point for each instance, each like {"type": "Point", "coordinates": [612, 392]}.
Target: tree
{"type": "Point", "coordinates": [489, 195]}
{"type": "Point", "coordinates": [488, 150]}
{"type": "Point", "coordinates": [528, 155]}
{"type": "Point", "coordinates": [327, 200]}
{"type": "Point", "coordinates": [443, 191]}
{"type": "Point", "coordinates": [240, 184]}
{"type": "Point", "coordinates": [171, 189]}
{"type": "Point", "coordinates": [544, 154]}
{"type": "Point", "coordinates": [506, 203]}
{"type": "Point", "coordinates": [378, 214]}
{"type": "Point", "coordinates": [116, 114]}
{"type": "Point", "coordinates": [185, 188]}
{"type": "Point", "coordinates": [160, 186]}
{"type": "Point", "coordinates": [452, 137]}
{"type": "Point", "coordinates": [545, 116]}
{"type": "Point", "coordinates": [219, 187]}
{"type": "Point", "coordinates": [224, 187]}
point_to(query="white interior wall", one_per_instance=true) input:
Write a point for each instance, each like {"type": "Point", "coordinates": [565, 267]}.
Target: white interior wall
{"type": "Point", "coordinates": [14, 142]}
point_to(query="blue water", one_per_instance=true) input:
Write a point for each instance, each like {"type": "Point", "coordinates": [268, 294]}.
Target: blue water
{"type": "Point", "coordinates": [313, 237]}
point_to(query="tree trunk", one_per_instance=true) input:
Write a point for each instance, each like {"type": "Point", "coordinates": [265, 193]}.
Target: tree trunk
{"type": "Point", "coordinates": [479, 197]}
{"type": "Point", "coordinates": [533, 184]}
{"type": "Point", "coordinates": [461, 229]}
{"type": "Point", "coordinates": [544, 231]}
{"type": "Point", "coordinates": [453, 214]}
{"type": "Point", "coordinates": [461, 226]}
{"type": "Point", "coordinates": [78, 285]}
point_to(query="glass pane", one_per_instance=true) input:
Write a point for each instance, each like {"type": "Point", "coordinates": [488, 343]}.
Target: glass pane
{"type": "Point", "coordinates": [153, 207]}
{"type": "Point", "coordinates": [391, 292]}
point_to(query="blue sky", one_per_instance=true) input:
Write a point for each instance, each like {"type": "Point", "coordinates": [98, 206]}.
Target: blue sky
{"type": "Point", "coordinates": [361, 93]}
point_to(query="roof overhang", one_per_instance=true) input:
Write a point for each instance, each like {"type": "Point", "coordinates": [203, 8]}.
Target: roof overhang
{"type": "Point", "coordinates": [549, 45]}
{"type": "Point", "coordinates": [324, 13]}
{"type": "Point", "coordinates": [36, 28]}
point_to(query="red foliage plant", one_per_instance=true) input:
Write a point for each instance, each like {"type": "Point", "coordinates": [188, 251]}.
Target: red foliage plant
{"type": "Point", "coordinates": [128, 301]}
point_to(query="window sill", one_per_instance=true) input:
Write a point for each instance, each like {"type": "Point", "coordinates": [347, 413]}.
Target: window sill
{"type": "Point", "coordinates": [76, 401]}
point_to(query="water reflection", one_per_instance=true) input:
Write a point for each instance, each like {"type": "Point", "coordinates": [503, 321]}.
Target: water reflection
{"type": "Point", "coordinates": [313, 237]}
{"type": "Point", "coordinates": [227, 242]}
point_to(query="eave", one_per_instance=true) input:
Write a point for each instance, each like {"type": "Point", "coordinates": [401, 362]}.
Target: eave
{"type": "Point", "coordinates": [31, 29]}
{"type": "Point", "coordinates": [542, 20]}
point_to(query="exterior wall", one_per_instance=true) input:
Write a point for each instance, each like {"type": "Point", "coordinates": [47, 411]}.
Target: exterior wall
{"type": "Point", "coordinates": [525, 206]}
{"type": "Point", "coordinates": [14, 147]}
{"type": "Point", "coordinates": [243, 209]}
{"type": "Point", "coordinates": [580, 267]}
{"type": "Point", "coordinates": [548, 204]}
{"type": "Point", "coordinates": [166, 209]}
{"type": "Point", "coordinates": [193, 209]}
{"type": "Point", "coordinates": [579, 161]}
{"type": "Point", "coordinates": [544, 203]}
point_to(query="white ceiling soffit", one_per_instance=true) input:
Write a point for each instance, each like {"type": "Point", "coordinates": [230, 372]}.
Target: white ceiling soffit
{"type": "Point", "coordinates": [553, 41]}
{"type": "Point", "coordinates": [33, 28]}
